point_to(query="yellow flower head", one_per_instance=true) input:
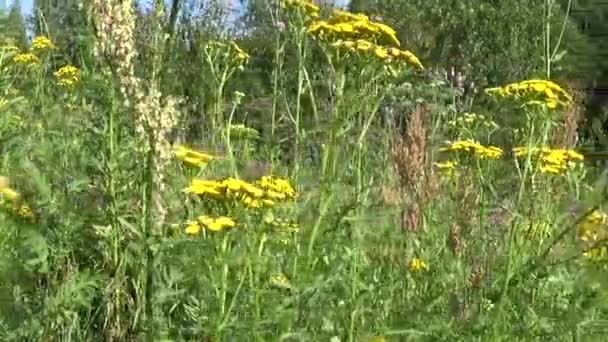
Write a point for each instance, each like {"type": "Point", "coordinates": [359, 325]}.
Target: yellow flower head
{"type": "Point", "coordinates": [280, 280]}
{"type": "Point", "coordinates": [193, 228]}
{"type": "Point", "coordinates": [534, 91]}
{"type": "Point", "coordinates": [551, 161]}
{"type": "Point", "coordinates": [9, 194]}
{"type": "Point", "coordinates": [210, 223]}
{"type": "Point", "coordinates": [67, 76]}
{"type": "Point", "coordinates": [276, 187]}
{"type": "Point", "coordinates": [205, 187]}
{"type": "Point", "coordinates": [230, 50]}
{"type": "Point", "coordinates": [388, 55]}
{"type": "Point", "coordinates": [192, 157]}
{"type": "Point", "coordinates": [26, 59]}
{"type": "Point", "coordinates": [350, 26]}
{"type": "Point", "coordinates": [42, 43]}
{"type": "Point", "coordinates": [418, 265]}
{"type": "Point", "coordinates": [483, 152]}
{"type": "Point", "coordinates": [592, 227]}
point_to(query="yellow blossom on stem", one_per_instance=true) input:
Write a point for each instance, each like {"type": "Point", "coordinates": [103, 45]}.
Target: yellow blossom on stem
{"type": "Point", "coordinates": [42, 43]}
{"type": "Point", "coordinates": [192, 157]}
{"type": "Point", "coordinates": [214, 224]}
{"type": "Point", "coordinates": [551, 161]}
{"type": "Point", "coordinates": [67, 76]}
{"type": "Point", "coordinates": [26, 59]}
{"type": "Point", "coordinates": [418, 265]}
{"type": "Point", "coordinates": [534, 91]}
{"type": "Point", "coordinates": [483, 152]}
{"type": "Point", "coordinates": [351, 26]}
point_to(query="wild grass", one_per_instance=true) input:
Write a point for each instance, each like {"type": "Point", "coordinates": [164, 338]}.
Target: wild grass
{"type": "Point", "coordinates": [411, 217]}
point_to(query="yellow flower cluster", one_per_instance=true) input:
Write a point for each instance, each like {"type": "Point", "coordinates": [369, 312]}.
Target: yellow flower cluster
{"type": "Point", "coordinates": [191, 157]}
{"type": "Point", "coordinates": [387, 54]}
{"type": "Point", "coordinates": [447, 167]}
{"type": "Point", "coordinates": [349, 26]}
{"type": "Point", "coordinates": [232, 50]}
{"type": "Point", "coordinates": [279, 188]}
{"type": "Point", "coordinates": [264, 193]}
{"type": "Point", "coordinates": [11, 201]}
{"type": "Point", "coordinates": [590, 228]}
{"type": "Point", "coordinates": [214, 224]}
{"type": "Point", "coordinates": [26, 59]}
{"type": "Point", "coordinates": [309, 9]}
{"type": "Point", "coordinates": [593, 231]}
{"type": "Point", "coordinates": [42, 43]}
{"type": "Point", "coordinates": [484, 152]}
{"type": "Point", "coordinates": [553, 161]}
{"type": "Point", "coordinates": [67, 76]}
{"type": "Point", "coordinates": [534, 91]}
{"type": "Point", "coordinates": [418, 265]}
{"type": "Point", "coordinates": [280, 280]}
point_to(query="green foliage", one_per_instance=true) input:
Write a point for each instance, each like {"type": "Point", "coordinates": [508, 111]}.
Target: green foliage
{"type": "Point", "coordinates": [487, 40]}
{"type": "Point", "coordinates": [14, 26]}
{"type": "Point", "coordinates": [389, 243]}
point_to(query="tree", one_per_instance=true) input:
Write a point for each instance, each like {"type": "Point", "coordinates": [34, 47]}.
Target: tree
{"type": "Point", "coordinates": [493, 42]}
{"type": "Point", "coordinates": [14, 26]}
{"type": "Point", "coordinates": [66, 24]}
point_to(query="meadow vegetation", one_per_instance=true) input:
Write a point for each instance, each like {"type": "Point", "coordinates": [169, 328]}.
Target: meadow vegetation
{"type": "Point", "coordinates": [146, 196]}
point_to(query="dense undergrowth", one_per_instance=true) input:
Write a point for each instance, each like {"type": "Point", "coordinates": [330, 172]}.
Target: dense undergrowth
{"type": "Point", "coordinates": [373, 204]}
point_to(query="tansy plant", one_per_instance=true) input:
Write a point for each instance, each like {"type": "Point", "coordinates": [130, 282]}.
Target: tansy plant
{"type": "Point", "coordinates": [536, 92]}
{"type": "Point", "coordinates": [67, 76]}
{"type": "Point", "coordinates": [223, 59]}
{"type": "Point", "coordinates": [42, 43]}
{"type": "Point", "coordinates": [550, 161]}
{"type": "Point", "coordinates": [192, 157]}
{"type": "Point", "coordinates": [593, 234]}
{"type": "Point", "coordinates": [226, 195]}
{"type": "Point", "coordinates": [26, 59]}
{"type": "Point", "coordinates": [12, 202]}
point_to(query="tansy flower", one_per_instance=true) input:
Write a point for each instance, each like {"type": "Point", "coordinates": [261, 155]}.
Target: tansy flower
{"type": "Point", "coordinates": [42, 43]}
{"type": "Point", "coordinates": [192, 157]}
{"type": "Point", "coordinates": [534, 91]}
{"type": "Point", "coordinates": [387, 55]}
{"type": "Point", "coordinates": [67, 76]}
{"type": "Point", "coordinates": [418, 265]}
{"type": "Point", "coordinates": [551, 161]}
{"type": "Point", "coordinates": [210, 223]}
{"type": "Point", "coordinates": [447, 167]}
{"type": "Point", "coordinates": [349, 26]}
{"type": "Point", "coordinates": [265, 193]}
{"type": "Point", "coordinates": [597, 253]}
{"type": "Point", "coordinates": [484, 152]}
{"type": "Point", "coordinates": [11, 201]}
{"type": "Point", "coordinates": [276, 187]}
{"type": "Point", "coordinates": [230, 50]}
{"type": "Point", "coordinates": [26, 59]}
{"type": "Point", "coordinates": [280, 280]}
{"type": "Point", "coordinates": [592, 227]}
